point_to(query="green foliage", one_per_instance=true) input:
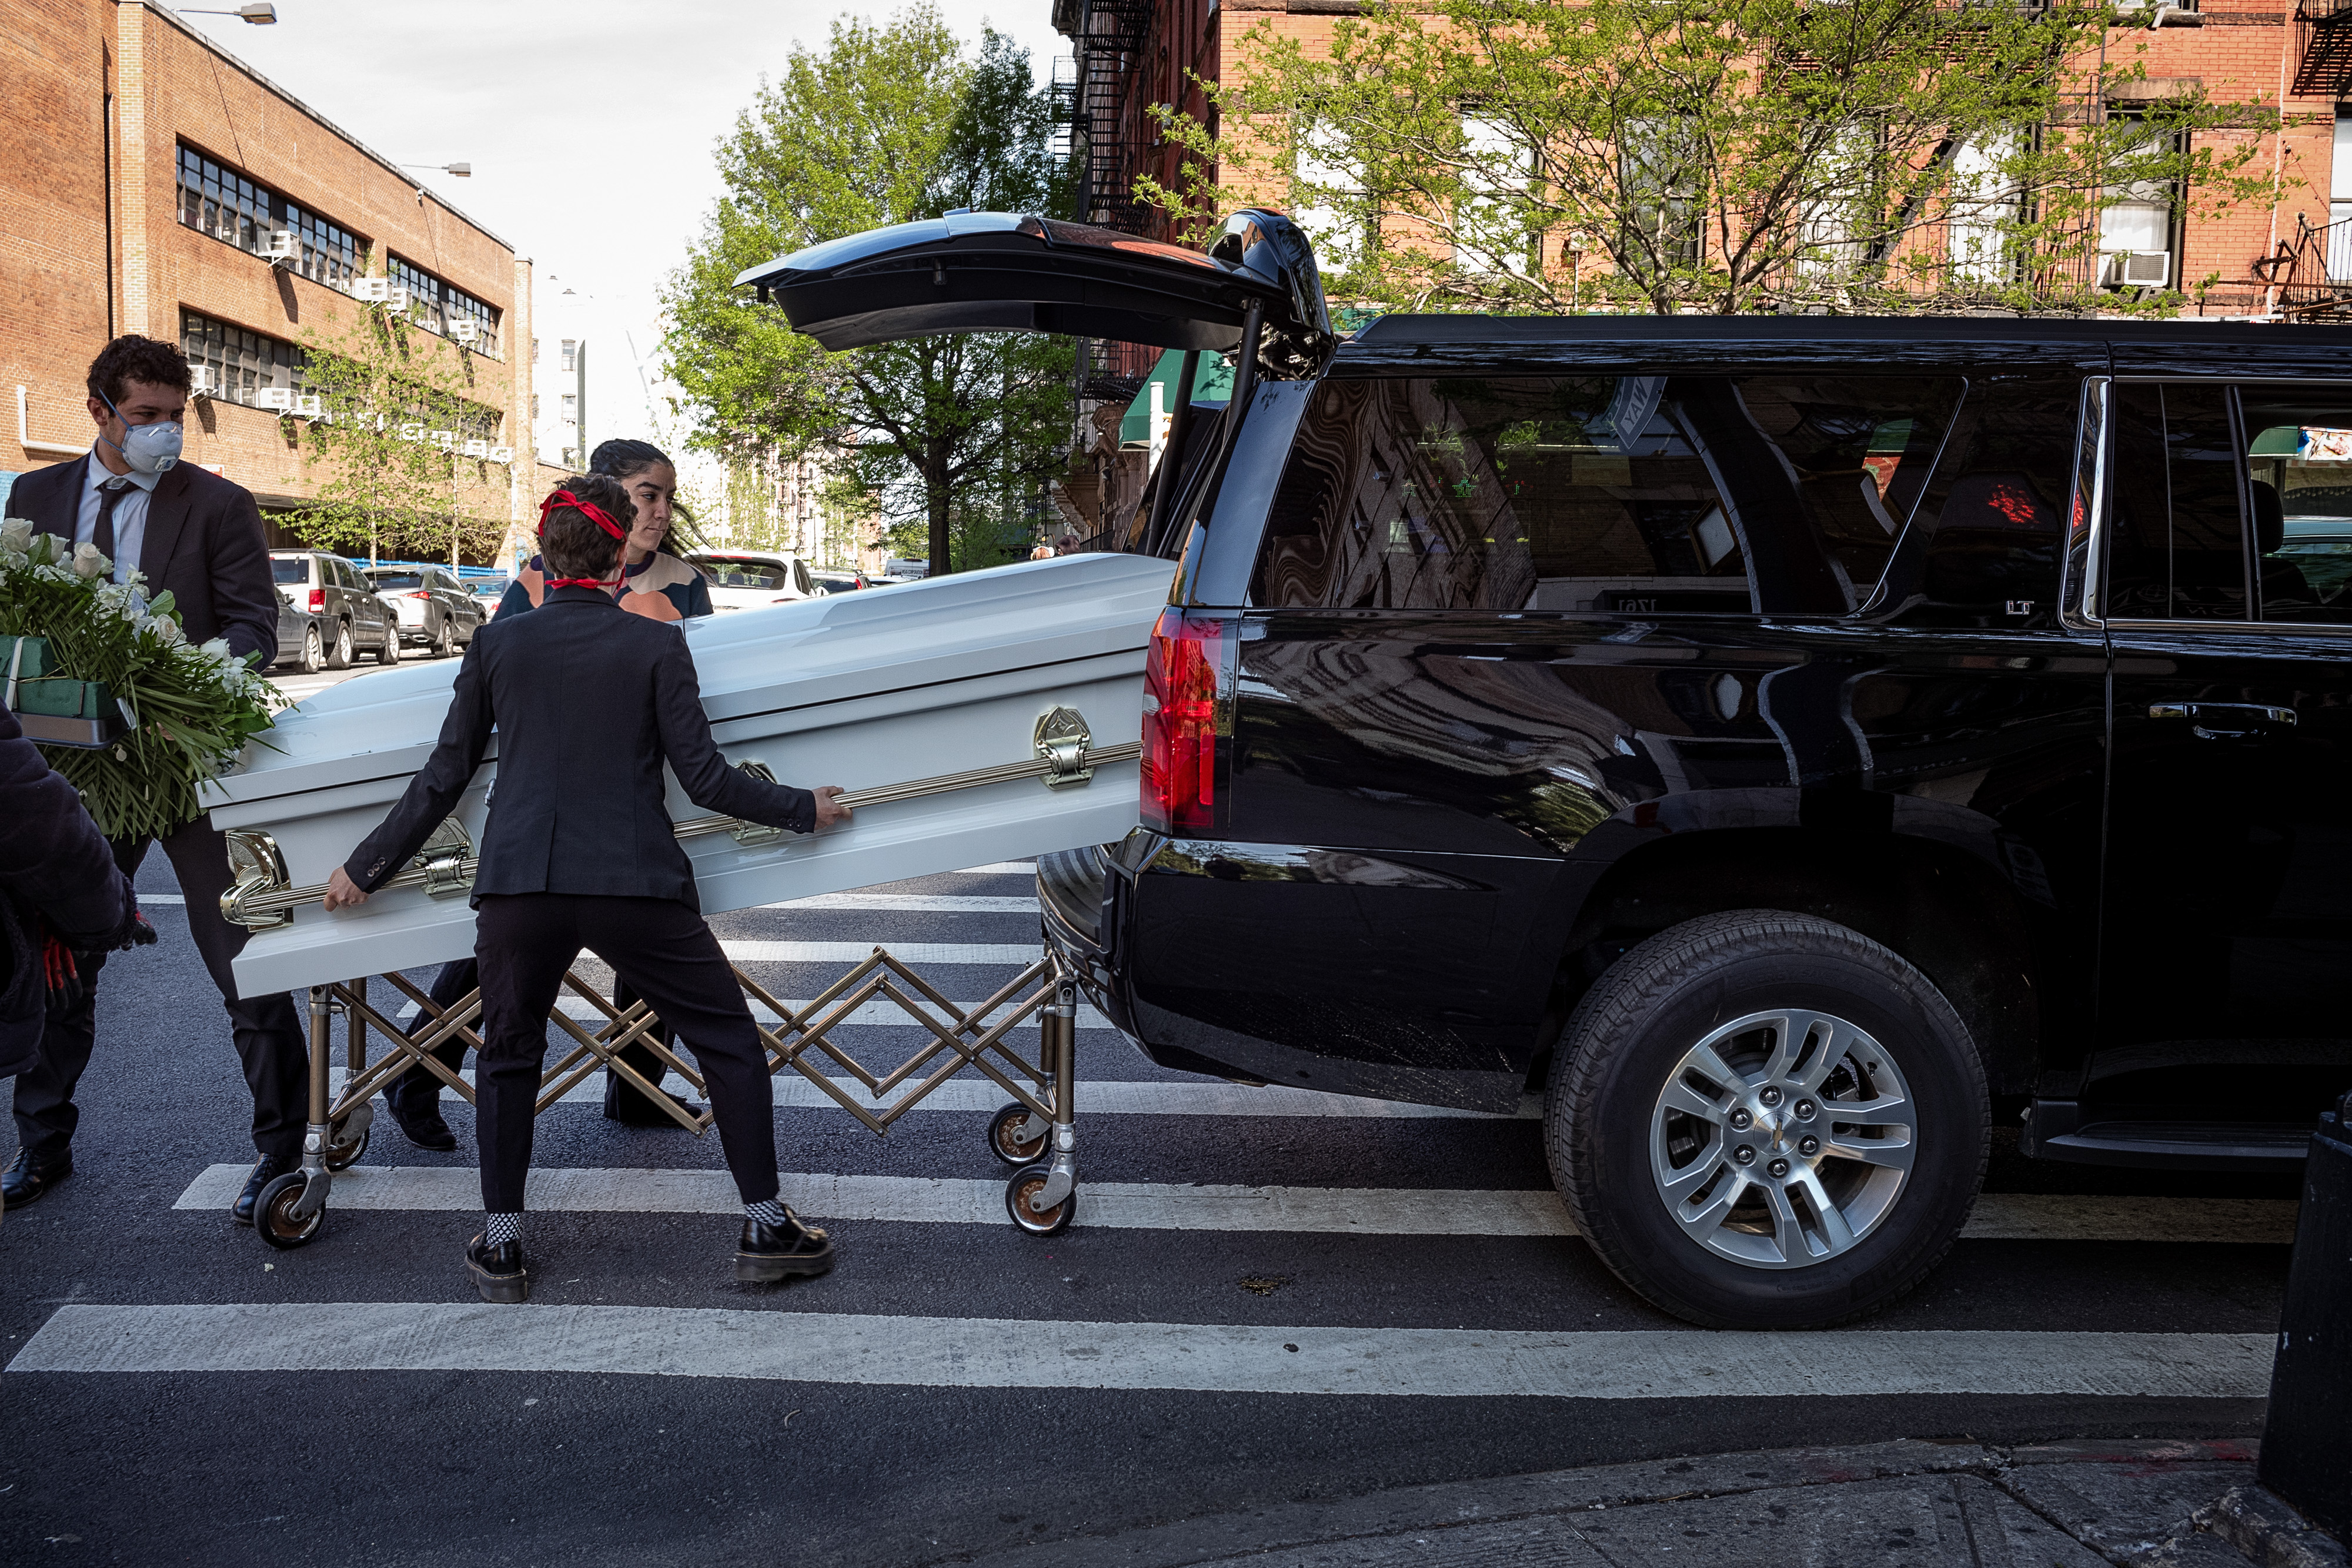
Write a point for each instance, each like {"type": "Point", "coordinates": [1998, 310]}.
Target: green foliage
{"type": "Point", "coordinates": [391, 480]}
{"type": "Point", "coordinates": [192, 709]}
{"type": "Point", "coordinates": [941, 437]}
{"type": "Point", "coordinates": [1716, 155]}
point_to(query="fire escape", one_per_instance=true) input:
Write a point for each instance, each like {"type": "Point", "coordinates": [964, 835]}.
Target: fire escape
{"type": "Point", "coordinates": [2325, 27]}
{"type": "Point", "coordinates": [2312, 273]}
{"type": "Point", "coordinates": [1108, 136]}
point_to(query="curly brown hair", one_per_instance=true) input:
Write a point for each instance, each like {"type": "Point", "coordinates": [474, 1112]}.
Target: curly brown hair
{"type": "Point", "coordinates": [572, 544]}
{"type": "Point", "coordinates": [131, 357]}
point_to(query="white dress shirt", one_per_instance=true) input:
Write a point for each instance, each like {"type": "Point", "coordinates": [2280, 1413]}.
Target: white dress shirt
{"type": "Point", "coordinates": [130, 513]}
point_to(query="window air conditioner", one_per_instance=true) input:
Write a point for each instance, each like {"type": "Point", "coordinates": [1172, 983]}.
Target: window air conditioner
{"type": "Point", "coordinates": [374, 290]}
{"type": "Point", "coordinates": [463, 331]}
{"type": "Point", "coordinates": [280, 398]}
{"type": "Point", "coordinates": [501, 453]}
{"type": "Point", "coordinates": [476, 449]}
{"type": "Point", "coordinates": [200, 380]}
{"type": "Point", "coordinates": [446, 440]}
{"type": "Point", "coordinates": [412, 430]}
{"type": "Point", "coordinates": [311, 405]}
{"type": "Point", "coordinates": [285, 245]}
{"type": "Point", "coordinates": [2140, 268]}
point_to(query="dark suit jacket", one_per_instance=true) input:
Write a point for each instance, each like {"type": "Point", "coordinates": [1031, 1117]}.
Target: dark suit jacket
{"type": "Point", "coordinates": [588, 700]}
{"type": "Point", "coordinates": [203, 543]}
{"type": "Point", "coordinates": [53, 862]}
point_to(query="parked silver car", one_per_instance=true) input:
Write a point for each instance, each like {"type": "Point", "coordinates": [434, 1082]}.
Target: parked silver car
{"type": "Point", "coordinates": [435, 610]}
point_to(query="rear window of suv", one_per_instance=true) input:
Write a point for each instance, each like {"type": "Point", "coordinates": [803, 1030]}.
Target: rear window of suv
{"type": "Point", "coordinates": [1641, 494]}
{"type": "Point", "coordinates": [295, 571]}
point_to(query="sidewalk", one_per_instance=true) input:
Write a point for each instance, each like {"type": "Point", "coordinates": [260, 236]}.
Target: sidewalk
{"type": "Point", "coordinates": [1921, 1504]}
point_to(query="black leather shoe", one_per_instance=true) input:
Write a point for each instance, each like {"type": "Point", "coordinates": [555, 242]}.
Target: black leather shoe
{"type": "Point", "coordinates": [266, 1169]}
{"type": "Point", "coordinates": [772, 1252]}
{"type": "Point", "coordinates": [498, 1272]}
{"type": "Point", "coordinates": [26, 1181]}
{"type": "Point", "coordinates": [631, 1109]}
{"type": "Point", "coordinates": [422, 1125]}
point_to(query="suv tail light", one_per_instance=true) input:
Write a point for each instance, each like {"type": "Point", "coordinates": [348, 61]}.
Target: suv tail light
{"type": "Point", "coordinates": [1183, 791]}
{"type": "Point", "coordinates": [318, 601]}
{"type": "Point", "coordinates": [416, 593]}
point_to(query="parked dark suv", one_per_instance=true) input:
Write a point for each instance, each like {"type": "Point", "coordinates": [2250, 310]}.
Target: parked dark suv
{"type": "Point", "coordinates": [1779, 741]}
{"type": "Point", "coordinates": [350, 615]}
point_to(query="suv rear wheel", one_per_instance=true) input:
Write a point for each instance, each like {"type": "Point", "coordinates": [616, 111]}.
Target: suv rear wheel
{"type": "Point", "coordinates": [1763, 1120]}
{"type": "Point", "coordinates": [313, 653]}
{"type": "Point", "coordinates": [340, 658]}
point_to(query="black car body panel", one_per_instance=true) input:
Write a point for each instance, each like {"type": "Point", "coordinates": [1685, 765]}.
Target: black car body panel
{"type": "Point", "coordinates": [1536, 637]}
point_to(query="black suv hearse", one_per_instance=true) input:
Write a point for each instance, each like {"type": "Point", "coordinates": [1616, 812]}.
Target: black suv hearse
{"type": "Point", "coordinates": [1778, 740]}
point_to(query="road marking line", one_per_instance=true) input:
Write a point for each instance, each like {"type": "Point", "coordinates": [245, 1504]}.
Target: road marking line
{"type": "Point", "coordinates": [1025, 1353]}
{"type": "Point", "coordinates": [163, 898]}
{"type": "Point", "coordinates": [911, 903]}
{"type": "Point", "coordinates": [998, 868]}
{"type": "Point", "coordinates": [874, 1012]}
{"type": "Point", "coordinates": [1154, 1206]}
{"type": "Point", "coordinates": [975, 1095]}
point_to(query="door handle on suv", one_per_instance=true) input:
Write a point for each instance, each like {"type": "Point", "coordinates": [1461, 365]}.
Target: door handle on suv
{"type": "Point", "coordinates": [2224, 721]}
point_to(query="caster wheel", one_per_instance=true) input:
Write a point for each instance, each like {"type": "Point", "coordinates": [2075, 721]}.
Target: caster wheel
{"type": "Point", "coordinates": [1052, 1222]}
{"type": "Point", "coordinates": [343, 1151]}
{"type": "Point", "coordinates": [1004, 1139]}
{"type": "Point", "coordinates": [275, 1218]}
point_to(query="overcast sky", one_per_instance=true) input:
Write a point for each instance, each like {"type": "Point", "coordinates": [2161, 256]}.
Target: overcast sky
{"type": "Point", "coordinates": [562, 106]}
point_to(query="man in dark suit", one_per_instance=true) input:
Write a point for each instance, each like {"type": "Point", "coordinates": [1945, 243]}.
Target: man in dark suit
{"type": "Point", "coordinates": [199, 537]}
{"type": "Point", "coordinates": [589, 701]}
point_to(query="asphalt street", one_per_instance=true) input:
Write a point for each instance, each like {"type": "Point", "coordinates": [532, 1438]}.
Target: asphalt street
{"type": "Point", "coordinates": [1263, 1302]}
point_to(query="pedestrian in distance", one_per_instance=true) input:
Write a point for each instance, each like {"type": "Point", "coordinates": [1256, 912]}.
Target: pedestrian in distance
{"type": "Point", "coordinates": [198, 537]}
{"type": "Point", "coordinates": [662, 586]}
{"type": "Point", "coordinates": [62, 899]}
{"type": "Point", "coordinates": [589, 702]}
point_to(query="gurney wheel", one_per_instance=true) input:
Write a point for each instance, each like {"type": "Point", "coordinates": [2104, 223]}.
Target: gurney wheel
{"type": "Point", "coordinates": [1004, 1141]}
{"type": "Point", "coordinates": [273, 1215]}
{"type": "Point", "coordinates": [1054, 1221]}
{"type": "Point", "coordinates": [342, 1154]}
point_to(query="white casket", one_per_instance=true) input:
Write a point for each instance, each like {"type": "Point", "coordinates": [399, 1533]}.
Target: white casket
{"type": "Point", "coordinates": [949, 705]}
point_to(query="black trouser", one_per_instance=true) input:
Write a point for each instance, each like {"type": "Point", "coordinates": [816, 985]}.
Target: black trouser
{"type": "Point", "coordinates": [267, 1029]}
{"type": "Point", "coordinates": [523, 943]}
{"type": "Point", "coordinates": [418, 1090]}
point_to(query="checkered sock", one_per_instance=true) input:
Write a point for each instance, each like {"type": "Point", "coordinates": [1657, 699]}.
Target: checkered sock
{"type": "Point", "coordinates": [770, 1212]}
{"type": "Point", "coordinates": [502, 1229]}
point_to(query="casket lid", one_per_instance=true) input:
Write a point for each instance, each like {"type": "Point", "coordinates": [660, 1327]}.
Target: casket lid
{"type": "Point", "coordinates": [906, 638]}
{"type": "Point", "coordinates": [979, 272]}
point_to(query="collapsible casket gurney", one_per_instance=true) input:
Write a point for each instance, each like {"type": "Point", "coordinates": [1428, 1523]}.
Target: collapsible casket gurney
{"type": "Point", "coordinates": [973, 719]}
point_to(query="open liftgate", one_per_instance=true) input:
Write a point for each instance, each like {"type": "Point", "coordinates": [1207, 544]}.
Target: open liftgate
{"type": "Point", "coordinates": [973, 719]}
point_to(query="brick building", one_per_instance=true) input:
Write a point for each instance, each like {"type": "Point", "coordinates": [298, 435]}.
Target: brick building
{"type": "Point", "coordinates": [2255, 259]}
{"type": "Point", "coordinates": [157, 184]}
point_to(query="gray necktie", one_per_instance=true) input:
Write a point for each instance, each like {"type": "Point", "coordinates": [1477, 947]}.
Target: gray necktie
{"type": "Point", "coordinates": [102, 536]}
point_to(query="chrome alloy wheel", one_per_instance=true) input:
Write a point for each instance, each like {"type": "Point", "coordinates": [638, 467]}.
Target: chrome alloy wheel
{"type": "Point", "coordinates": [1782, 1138]}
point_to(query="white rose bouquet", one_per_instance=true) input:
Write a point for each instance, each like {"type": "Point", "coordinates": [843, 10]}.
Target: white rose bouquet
{"type": "Point", "coordinates": [188, 709]}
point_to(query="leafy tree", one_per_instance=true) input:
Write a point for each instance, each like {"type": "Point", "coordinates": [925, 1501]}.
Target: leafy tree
{"type": "Point", "coordinates": [889, 124]}
{"type": "Point", "coordinates": [389, 447]}
{"type": "Point", "coordinates": [1719, 155]}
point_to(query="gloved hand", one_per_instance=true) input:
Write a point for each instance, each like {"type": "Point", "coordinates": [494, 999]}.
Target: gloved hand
{"type": "Point", "coordinates": [142, 933]}
{"type": "Point", "coordinates": [63, 974]}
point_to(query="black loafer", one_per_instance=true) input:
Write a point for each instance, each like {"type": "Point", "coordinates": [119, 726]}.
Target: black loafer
{"type": "Point", "coordinates": [25, 1180]}
{"type": "Point", "coordinates": [422, 1125]}
{"type": "Point", "coordinates": [770, 1252]}
{"type": "Point", "coordinates": [266, 1169]}
{"type": "Point", "coordinates": [498, 1272]}
{"type": "Point", "coordinates": [631, 1109]}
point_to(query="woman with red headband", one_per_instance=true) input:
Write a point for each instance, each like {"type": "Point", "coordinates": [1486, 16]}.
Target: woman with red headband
{"type": "Point", "coordinates": [589, 702]}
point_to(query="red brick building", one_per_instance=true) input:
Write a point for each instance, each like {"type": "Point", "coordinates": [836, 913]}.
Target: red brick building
{"type": "Point", "coordinates": [157, 184]}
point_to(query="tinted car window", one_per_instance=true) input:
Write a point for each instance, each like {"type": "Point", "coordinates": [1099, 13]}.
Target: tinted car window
{"type": "Point", "coordinates": [1631, 494]}
{"type": "Point", "coordinates": [1985, 541]}
{"type": "Point", "coordinates": [388, 579]}
{"type": "Point", "coordinates": [2178, 551]}
{"type": "Point", "coordinates": [2300, 458]}
{"type": "Point", "coordinates": [296, 572]}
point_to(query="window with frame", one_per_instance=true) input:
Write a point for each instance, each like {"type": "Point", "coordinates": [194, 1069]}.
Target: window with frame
{"type": "Point", "coordinates": [438, 306]}
{"type": "Point", "coordinates": [224, 203]}
{"type": "Point", "coordinates": [1627, 495]}
{"type": "Point", "coordinates": [242, 364]}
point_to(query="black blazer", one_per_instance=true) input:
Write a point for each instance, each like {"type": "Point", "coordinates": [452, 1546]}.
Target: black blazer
{"type": "Point", "coordinates": [589, 700]}
{"type": "Point", "coordinates": [53, 862]}
{"type": "Point", "coordinates": [203, 543]}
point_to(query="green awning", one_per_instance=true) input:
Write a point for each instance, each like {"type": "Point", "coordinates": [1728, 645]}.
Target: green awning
{"type": "Point", "coordinates": [1212, 382]}
{"type": "Point", "coordinates": [2278, 441]}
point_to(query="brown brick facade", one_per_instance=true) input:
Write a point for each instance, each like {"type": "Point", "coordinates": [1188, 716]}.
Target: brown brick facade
{"type": "Point", "coordinates": [168, 87]}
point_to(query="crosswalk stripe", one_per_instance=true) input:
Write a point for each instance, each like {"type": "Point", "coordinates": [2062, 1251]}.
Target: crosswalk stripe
{"type": "Point", "coordinates": [911, 903]}
{"type": "Point", "coordinates": [1155, 1205]}
{"type": "Point", "coordinates": [1110, 1097]}
{"type": "Point", "coordinates": [1025, 1353]}
{"type": "Point", "coordinates": [915, 954]}
{"type": "Point", "coordinates": [999, 868]}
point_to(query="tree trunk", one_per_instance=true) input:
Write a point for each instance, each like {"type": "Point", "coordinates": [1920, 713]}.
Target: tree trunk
{"type": "Point", "coordinates": [935, 495]}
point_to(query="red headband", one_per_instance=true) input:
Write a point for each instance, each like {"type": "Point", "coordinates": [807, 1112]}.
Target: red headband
{"type": "Point", "coordinates": [589, 510]}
